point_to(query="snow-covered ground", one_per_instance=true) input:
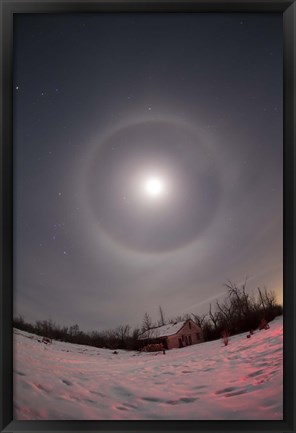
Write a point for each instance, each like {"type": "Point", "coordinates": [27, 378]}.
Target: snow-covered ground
{"type": "Point", "coordinates": [243, 380]}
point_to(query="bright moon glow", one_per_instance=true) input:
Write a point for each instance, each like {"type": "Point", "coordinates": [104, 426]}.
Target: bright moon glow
{"type": "Point", "coordinates": [154, 187]}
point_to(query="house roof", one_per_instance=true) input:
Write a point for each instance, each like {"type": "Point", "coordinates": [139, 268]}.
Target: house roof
{"type": "Point", "coordinates": [162, 331]}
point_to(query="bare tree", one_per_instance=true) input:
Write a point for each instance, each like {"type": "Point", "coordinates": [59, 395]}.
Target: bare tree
{"type": "Point", "coordinates": [181, 318]}
{"type": "Point", "coordinates": [246, 297]}
{"type": "Point", "coordinates": [135, 334]}
{"type": "Point", "coordinates": [146, 323]}
{"type": "Point", "coordinates": [269, 298]}
{"type": "Point", "coordinates": [162, 319]}
{"type": "Point", "coordinates": [122, 332]}
{"type": "Point", "coordinates": [199, 319]}
{"type": "Point", "coordinates": [261, 298]}
{"type": "Point", "coordinates": [214, 318]}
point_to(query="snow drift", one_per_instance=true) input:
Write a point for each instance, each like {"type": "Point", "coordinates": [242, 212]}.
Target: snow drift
{"type": "Point", "coordinates": [207, 381]}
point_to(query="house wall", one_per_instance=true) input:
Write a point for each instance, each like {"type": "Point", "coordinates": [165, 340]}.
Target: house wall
{"type": "Point", "coordinates": [173, 340]}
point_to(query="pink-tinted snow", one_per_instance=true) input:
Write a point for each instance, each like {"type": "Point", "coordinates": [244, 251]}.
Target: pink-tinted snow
{"type": "Point", "coordinates": [241, 381]}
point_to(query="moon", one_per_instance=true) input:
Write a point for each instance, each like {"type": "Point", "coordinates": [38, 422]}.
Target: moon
{"type": "Point", "coordinates": [154, 187]}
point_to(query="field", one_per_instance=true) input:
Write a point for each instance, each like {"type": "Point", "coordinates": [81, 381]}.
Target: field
{"type": "Point", "coordinates": [208, 381]}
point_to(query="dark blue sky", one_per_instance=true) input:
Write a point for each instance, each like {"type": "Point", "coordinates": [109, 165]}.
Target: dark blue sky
{"type": "Point", "coordinates": [105, 102]}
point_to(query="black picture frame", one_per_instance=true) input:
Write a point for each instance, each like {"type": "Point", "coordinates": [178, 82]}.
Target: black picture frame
{"type": "Point", "coordinates": [8, 8]}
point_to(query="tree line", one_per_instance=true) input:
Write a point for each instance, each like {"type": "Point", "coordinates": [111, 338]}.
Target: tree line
{"type": "Point", "coordinates": [121, 337]}
{"type": "Point", "coordinates": [238, 312]}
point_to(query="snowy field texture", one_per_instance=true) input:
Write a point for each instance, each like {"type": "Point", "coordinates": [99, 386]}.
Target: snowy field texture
{"type": "Point", "coordinates": [208, 381]}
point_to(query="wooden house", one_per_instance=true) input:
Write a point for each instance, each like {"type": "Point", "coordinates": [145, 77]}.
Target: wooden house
{"type": "Point", "coordinates": [173, 335]}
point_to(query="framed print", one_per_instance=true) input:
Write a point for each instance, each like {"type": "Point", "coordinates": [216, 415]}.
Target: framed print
{"type": "Point", "coordinates": [147, 216]}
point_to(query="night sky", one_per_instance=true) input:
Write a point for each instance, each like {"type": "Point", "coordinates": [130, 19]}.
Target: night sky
{"type": "Point", "coordinates": [148, 158]}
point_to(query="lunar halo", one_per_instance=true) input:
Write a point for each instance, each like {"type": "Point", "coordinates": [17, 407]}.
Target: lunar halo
{"type": "Point", "coordinates": [161, 162]}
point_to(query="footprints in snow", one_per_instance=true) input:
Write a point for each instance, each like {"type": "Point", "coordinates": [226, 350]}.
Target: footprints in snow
{"type": "Point", "coordinates": [42, 388]}
{"type": "Point", "coordinates": [20, 373]}
{"type": "Point", "coordinates": [255, 373]}
{"type": "Point", "coordinates": [231, 391]}
{"type": "Point", "coordinates": [260, 377]}
{"type": "Point", "coordinates": [66, 382]}
{"type": "Point", "coordinates": [182, 400]}
{"type": "Point", "coordinates": [100, 394]}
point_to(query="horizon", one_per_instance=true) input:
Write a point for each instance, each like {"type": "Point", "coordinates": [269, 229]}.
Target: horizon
{"type": "Point", "coordinates": [155, 319]}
